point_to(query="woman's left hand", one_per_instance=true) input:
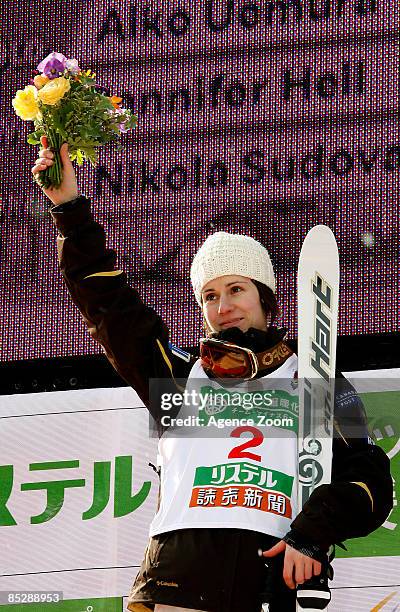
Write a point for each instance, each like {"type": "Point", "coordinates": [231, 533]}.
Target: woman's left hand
{"type": "Point", "coordinates": [297, 567]}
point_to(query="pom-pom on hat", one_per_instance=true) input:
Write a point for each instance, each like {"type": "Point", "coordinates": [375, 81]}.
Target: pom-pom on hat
{"type": "Point", "coordinates": [223, 253]}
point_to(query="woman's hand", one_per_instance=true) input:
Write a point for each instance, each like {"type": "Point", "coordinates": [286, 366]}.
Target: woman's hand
{"type": "Point", "coordinates": [297, 567]}
{"type": "Point", "coordinates": [68, 190]}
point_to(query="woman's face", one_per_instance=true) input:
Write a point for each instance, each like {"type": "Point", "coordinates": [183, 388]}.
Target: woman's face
{"type": "Point", "coordinates": [232, 301]}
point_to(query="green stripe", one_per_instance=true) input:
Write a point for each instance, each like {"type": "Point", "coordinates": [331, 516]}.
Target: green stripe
{"type": "Point", "coordinates": [109, 604]}
{"type": "Point", "coordinates": [273, 480]}
{"type": "Point", "coordinates": [54, 465]}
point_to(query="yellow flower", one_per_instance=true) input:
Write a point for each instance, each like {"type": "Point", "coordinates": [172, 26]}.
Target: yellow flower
{"type": "Point", "coordinates": [40, 80]}
{"type": "Point", "coordinates": [25, 103]}
{"type": "Point", "coordinates": [90, 74]}
{"type": "Point", "coordinates": [54, 90]}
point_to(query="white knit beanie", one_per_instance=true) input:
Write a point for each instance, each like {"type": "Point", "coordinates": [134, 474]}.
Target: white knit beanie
{"type": "Point", "coordinates": [222, 254]}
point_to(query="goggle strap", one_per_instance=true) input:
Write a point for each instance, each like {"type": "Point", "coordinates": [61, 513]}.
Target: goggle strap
{"type": "Point", "coordinates": [274, 357]}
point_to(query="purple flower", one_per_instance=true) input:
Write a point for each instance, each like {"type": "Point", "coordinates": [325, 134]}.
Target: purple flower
{"type": "Point", "coordinates": [121, 126]}
{"type": "Point", "coordinates": [72, 66]}
{"type": "Point", "coordinates": [53, 65]}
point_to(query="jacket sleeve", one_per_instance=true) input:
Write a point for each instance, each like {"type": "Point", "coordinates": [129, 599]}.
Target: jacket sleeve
{"type": "Point", "coordinates": [360, 495]}
{"type": "Point", "coordinates": [132, 335]}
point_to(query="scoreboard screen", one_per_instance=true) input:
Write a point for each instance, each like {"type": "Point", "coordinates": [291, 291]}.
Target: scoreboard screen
{"type": "Point", "coordinates": [263, 118]}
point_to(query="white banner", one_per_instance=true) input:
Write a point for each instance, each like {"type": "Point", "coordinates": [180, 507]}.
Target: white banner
{"type": "Point", "coordinates": [77, 492]}
{"type": "Point", "coordinates": [77, 496]}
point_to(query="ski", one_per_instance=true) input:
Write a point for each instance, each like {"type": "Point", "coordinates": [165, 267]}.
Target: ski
{"type": "Point", "coordinates": [318, 300]}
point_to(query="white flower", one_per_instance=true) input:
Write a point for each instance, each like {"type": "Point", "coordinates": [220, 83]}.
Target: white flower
{"type": "Point", "coordinates": [72, 66]}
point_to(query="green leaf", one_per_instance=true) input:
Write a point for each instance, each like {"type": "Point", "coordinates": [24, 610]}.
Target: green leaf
{"type": "Point", "coordinates": [79, 157]}
{"type": "Point", "coordinates": [34, 137]}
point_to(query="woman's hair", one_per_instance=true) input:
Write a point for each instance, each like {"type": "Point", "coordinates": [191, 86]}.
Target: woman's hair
{"type": "Point", "coordinates": [268, 302]}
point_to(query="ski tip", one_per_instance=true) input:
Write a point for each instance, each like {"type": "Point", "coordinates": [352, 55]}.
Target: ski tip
{"type": "Point", "coordinates": [320, 229]}
{"type": "Point", "coordinates": [320, 236]}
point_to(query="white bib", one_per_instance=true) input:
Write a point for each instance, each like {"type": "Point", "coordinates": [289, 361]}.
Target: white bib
{"type": "Point", "coordinates": [232, 460]}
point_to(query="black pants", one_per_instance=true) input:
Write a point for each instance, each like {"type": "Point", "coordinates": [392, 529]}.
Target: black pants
{"type": "Point", "coordinates": [218, 570]}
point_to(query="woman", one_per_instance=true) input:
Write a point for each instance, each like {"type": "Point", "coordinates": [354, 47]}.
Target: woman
{"type": "Point", "coordinates": [221, 504]}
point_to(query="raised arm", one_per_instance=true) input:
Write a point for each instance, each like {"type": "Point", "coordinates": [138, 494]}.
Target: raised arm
{"type": "Point", "coordinates": [133, 336]}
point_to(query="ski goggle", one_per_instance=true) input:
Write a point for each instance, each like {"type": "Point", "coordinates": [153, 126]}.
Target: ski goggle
{"type": "Point", "coordinates": [226, 360]}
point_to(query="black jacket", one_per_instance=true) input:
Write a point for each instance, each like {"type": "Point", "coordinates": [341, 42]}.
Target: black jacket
{"type": "Point", "coordinates": [135, 340]}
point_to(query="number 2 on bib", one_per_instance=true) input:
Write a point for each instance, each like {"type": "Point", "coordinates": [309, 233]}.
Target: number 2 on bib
{"type": "Point", "coordinates": [239, 452]}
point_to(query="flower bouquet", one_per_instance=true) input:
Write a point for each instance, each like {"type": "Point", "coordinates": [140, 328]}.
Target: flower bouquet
{"type": "Point", "coordinates": [65, 106]}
